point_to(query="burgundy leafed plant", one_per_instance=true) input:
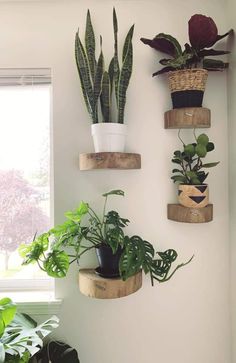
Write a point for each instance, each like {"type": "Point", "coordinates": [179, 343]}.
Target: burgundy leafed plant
{"type": "Point", "coordinates": [203, 34]}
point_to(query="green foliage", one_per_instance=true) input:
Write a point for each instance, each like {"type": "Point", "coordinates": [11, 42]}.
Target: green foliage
{"type": "Point", "coordinates": [139, 254]}
{"type": "Point", "coordinates": [190, 161]}
{"type": "Point", "coordinates": [84, 225]}
{"type": "Point", "coordinates": [20, 336]}
{"type": "Point", "coordinates": [203, 34]}
{"type": "Point", "coordinates": [96, 82]}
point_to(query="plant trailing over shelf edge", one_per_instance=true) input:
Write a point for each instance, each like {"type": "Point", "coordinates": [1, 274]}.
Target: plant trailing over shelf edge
{"type": "Point", "coordinates": [190, 161]}
{"type": "Point", "coordinates": [203, 35]}
{"type": "Point", "coordinates": [20, 336]}
{"type": "Point", "coordinates": [97, 83]}
{"type": "Point", "coordinates": [83, 224]}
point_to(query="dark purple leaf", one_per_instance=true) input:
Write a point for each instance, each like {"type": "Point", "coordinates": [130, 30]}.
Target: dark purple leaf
{"type": "Point", "coordinates": [161, 44]}
{"type": "Point", "coordinates": [163, 70]}
{"type": "Point", "coordinates": [211, 52]}
{"type": "Point", "coordinates": [219, 37]}
{"type": "Point", "coordinates": [202, 31]}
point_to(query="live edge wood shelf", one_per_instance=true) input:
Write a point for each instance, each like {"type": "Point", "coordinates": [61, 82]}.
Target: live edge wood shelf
{"type": "Point", "coordinates": [189, 117]}
{"type": "Point", "coordinates": [92, 285]}
{"type": "Point", "coordinates": [110, 160]}
{"type": "Point", "coordinates": [179, 213]}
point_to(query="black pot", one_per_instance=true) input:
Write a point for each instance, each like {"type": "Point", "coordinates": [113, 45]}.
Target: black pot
{"type": "Point", "coordinates": [189, 98]}
{"type": "Point", "coordinates": [108, 262]}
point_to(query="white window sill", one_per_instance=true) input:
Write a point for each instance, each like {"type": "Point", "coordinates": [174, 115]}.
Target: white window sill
{"type": "Point", "coordinates": [36, 302]}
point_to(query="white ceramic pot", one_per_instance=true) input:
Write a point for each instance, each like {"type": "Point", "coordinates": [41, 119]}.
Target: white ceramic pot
{"type": "Point", "coordinates": [109, 137]}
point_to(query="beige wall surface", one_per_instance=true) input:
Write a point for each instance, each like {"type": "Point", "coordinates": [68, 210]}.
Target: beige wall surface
{"type": "Point", "coordinates": [187, 319]}
{"type": "Point", "coordinates": [232, 169]}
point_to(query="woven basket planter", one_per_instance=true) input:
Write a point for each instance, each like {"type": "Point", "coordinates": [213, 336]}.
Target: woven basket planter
{"type": "Point", "coordinates": [187, 87]}
{"type": "Point", "coordinates": [193, 196]}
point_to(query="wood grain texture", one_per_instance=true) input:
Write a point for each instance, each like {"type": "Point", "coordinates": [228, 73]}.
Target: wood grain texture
{"type": "Point", "coordinates": [110, 160]}
{"type": "Point", "coordinates": [178, 213]}
{"type": "Point", "coordinates": [188, 117]}
{"type": "Point", "coordinates": [92, 285]}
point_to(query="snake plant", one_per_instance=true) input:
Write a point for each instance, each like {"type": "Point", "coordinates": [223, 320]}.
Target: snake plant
{"type": "Point", "coordinates": [97, 83]}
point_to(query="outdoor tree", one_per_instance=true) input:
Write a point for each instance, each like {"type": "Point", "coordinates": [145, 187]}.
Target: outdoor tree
{"type": "Point", "coordinates": [20, 214]}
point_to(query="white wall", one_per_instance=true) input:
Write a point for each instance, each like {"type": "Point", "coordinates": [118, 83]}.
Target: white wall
{"type": "Point", "coordinates": [187, 319]}
{"type": "Point", "coordinates": [232, 170]}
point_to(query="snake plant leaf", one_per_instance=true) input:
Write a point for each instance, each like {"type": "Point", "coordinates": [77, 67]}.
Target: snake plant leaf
{"type": "Point", "coordinates": [57, 264]}
{"type": "Point", "coordinates": [84, 91]}
{"type": "Point", "coordinates": [124, 79]}
{"type": "Point", "coordinates": [90, 45]}
{"type": "Point", "coordinates": [128, 39]}
{"type": "Point", "coordinates": [114, 192]}
{"type": "Point", "coordinates": [116, 59]}
{"type": "Point", "coordinates": [84, 74]}
{"type": "Point", "coordinates": [164, 43]}
{"type": "Point", "coordinates": [111, 73]}
{"type": "Point", "coordinates": [106, 97]}
{"type": "Point", "coordinates": [98, 79]}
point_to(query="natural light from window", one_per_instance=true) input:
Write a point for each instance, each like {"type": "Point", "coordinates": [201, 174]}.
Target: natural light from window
{"type": "Point", "coordinates": [24, 171]}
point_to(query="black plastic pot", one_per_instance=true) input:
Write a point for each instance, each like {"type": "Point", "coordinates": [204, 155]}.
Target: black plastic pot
{"type": "Point", "coordinates": [189, 98]}
{"type": "Point", "coordinates": [108, 262]}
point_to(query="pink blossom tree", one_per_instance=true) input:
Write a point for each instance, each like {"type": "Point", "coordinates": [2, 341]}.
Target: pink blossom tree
{"type": "Point", "coordinates": [20, 214]}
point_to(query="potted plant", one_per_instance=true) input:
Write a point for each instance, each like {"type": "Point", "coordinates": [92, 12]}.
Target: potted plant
{"type": "Point", "coordinates": [20, 336]}
{"type": "Point", "coordinates": [191, 176]}
{"type": "Point", "coordinates": [98, 85]}
{"type": "Point", "coordinates": [56, 352]}
{"type": "Point", "coordinates": [118, 254]}
{"type": "Point", "coordinates": [187, 68]}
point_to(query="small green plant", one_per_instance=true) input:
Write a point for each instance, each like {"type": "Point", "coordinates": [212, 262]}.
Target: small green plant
{"type": "Point", "coordinates": [203, 35]}
{"type": "Point", "coordinates": [85, 230]}
{"type": "Point", "coordinates": [97, 83]}
{"type": "Point", "coordinates": [190, 162]}
{"type": "Point", "coordinates": [20, 336]}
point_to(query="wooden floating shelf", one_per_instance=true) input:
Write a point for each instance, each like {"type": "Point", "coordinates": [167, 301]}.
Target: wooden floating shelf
{"type": "Point", "coordinates": [92, 285]}
{"type": "Point", "coordinates": [179, 213]}
{"type": "Point", "coordinates": [189, 117]}
{"type": "Point", "coordinates": [110, 160]}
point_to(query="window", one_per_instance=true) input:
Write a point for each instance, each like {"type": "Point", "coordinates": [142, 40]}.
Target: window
{"type": "Point", "coordinates": [25, 112]}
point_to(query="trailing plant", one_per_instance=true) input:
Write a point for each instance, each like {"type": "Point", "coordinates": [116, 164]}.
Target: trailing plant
{"type": "Point", "coordinates": [97, 82]}
{"type": "Point", "coordinates": [203, 35]}
{"type": "Point", "coordinates": [85, 230]}
{"type": "Point", "coordinates": [190, 162]}
{"type": "Point", "coordinates": [20, 336]}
